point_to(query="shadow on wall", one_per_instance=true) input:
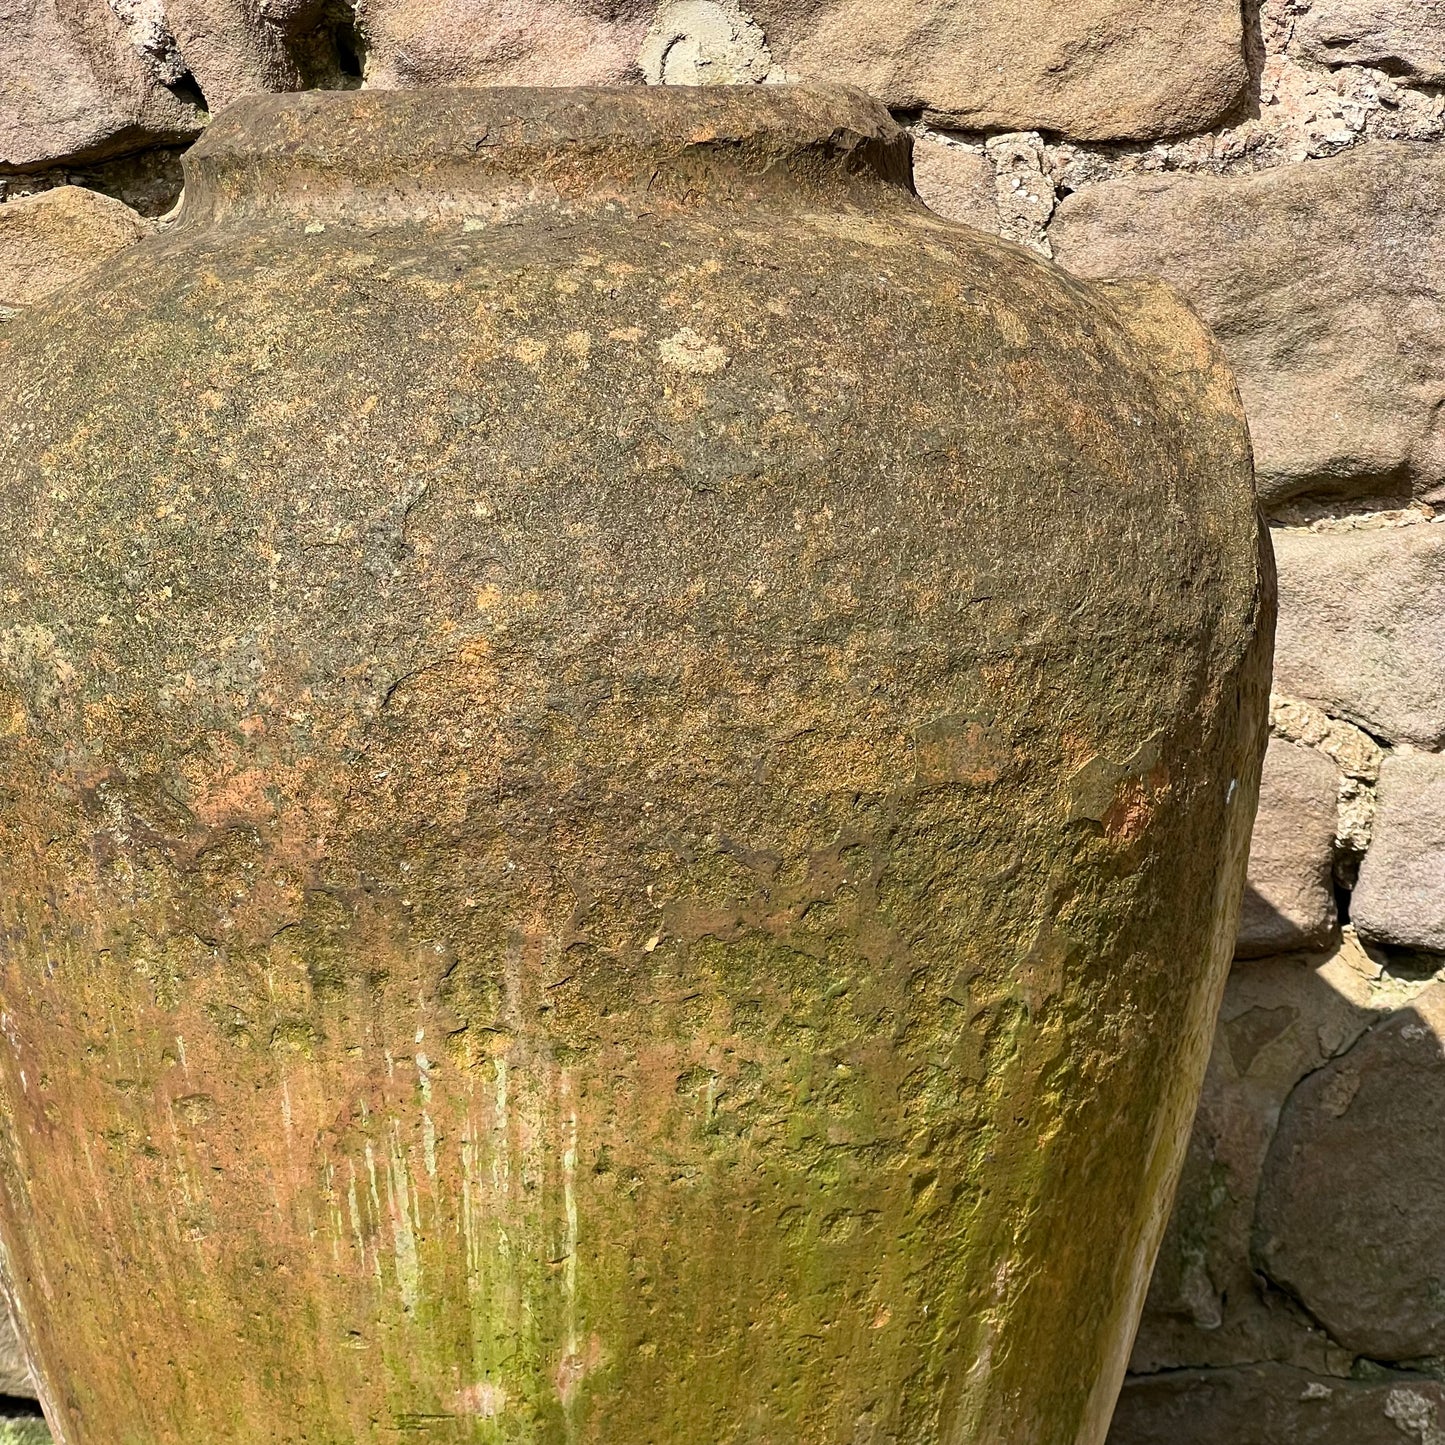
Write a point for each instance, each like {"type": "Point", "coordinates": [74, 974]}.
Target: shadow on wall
{"type": "Point", "coordinates": [1307, 1229]}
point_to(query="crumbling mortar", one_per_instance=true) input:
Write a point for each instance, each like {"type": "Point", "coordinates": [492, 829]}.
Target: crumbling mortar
{"type": "Point", "coordinates": [1295, 110]}
{"type": "Point", "coordinates": [1355, 754]}
{"type": "Point", "coordinates": [1349, 514]}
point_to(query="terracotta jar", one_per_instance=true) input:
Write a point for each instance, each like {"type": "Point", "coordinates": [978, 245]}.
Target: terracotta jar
{"type": "Point", "coordinates": [626, 768]}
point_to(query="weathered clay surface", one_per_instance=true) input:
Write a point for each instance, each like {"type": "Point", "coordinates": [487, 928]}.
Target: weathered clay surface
{"type": "Point", "coordinates": [76, 84]}
{"type": "Point", "coordinates": [1276, 1405]}
{"type": "Point", "coordinates": [1325, 284]}
{"type": "Point", "coordinates": [1289, 900]}
{"type": "Point", "coordinates": [1400, 898]}
{"type": "Point", "coordinates": [49, 240]}
{"type": "Point", "coordinates": [1349, 1209]}
{"type": "Point", "coordinates": [1101, 69]}
{"type": "Point", "coordinates": [1405, 37]}
{"type": "Point", "coordinates": [1359, 628]}
{"type": "Point", "coordinates": [1281, 1020]}
{"type": "Point", "coordinates": [603, 853]}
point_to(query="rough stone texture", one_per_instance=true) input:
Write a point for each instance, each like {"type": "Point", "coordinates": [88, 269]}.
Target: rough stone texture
{"type": "Point", "coordinates": [74, 85]}
{"type": "Point", "coordinates": [1325, 283]}
{"type": "Point", "coordinates": [51, 239]}
{"type": "Point", "coordinates": [1405, 37]}
{"type": "Point", "coordinates": [1316, 90]}
{"type": "Point", "coordinates": [1349, 1211]}
{"type": "Point", "coordinates": [1353, 751]}
{"type": "Point", "coordinates": [1359, 628]}
{"type": "Point", "coordinates": [1101, 68]}
{"type": "Point", "coordinates": [1275, 1405]}
{"type": "Point", "coordinates": [957, 182]}
{"type": "Point", "coordinates": [1400, 898]}
{"type": "Point", "coordinates": [235, 47]}
{"type": "Point", "coordinates": [1095, 68]}
{"type": "Point", "coordinates": [569, 700]}
{"type": "Point", "coordinates": [1289, 899]}
{"type": "Point", "coordinates": [1302, 110]}
{"type": "Point", "coordinates": [1281, 1020]}
{"type": "Point", "coordinates": [502, 42]}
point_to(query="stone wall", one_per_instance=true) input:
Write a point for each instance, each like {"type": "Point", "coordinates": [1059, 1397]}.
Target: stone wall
{"type": "Point", "coordinates": [1285, 168]}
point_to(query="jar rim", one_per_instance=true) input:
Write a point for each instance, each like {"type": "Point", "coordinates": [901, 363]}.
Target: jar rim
{"type": "Point", "coordinates": [572, 140]}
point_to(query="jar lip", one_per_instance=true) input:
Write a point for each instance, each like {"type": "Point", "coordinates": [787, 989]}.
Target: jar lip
{"type": "Point", "coordinates": [570, 139]}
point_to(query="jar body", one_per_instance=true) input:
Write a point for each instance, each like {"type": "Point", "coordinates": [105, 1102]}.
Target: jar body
{"type": "Point", "coordinates": [622, 823]}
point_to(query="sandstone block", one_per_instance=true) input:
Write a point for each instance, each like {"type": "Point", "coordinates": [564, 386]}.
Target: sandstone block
{"type": "Point", "coordinates": [1404, 37]}
{"type": "Point", "coordinates": [51, 239]}
{"type": "Point", "coordinates": [1281, 1019]}
{"type": "Point", "coordinates": [956, 182]}
{"type": "Point", "coordinates": [1349, 1211]}
{"type": "Point", "coordinates": [1098, 69]}
{"type": "Point", "coordinates": [1325, 283]}
{"type": "Point", "coordinates": [501, 42]}
{"type": "Point", "coordinates": [85, 81]}
{"type": "Point", "coordinates": [236, 47]}
{"type": "Point", "coordinates": [1276, 1405]}
{"type": "Point", "coordinates": [1289, 900]}
{"type": "Point", "coordinates": [1400, 897]}
{"type": "Point", "coordinates": [1359, 627]}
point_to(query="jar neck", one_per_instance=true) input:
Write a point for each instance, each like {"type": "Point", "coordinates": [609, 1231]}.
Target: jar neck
{"type": "Point", "coordinates": [393, 157]}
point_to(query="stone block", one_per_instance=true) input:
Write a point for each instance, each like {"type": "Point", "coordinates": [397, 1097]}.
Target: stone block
{"type": "Point", "coordinates": [1400, 896]}
{"type": "Point", "coordinates": [236, 47]}
{"type": "Point", "coordinates": [1095, 69]}
{"type": "Point", "coordinates": [956, 182]}
{"type": "Point", "coordinates": [87, 80]}
{"type": "Point", "coordinates": [1281, 1019]}
{"type": "Point", "coordinates": [1349, 1209]}
{"type": "Point", "coordinates": [1289, 899]}
{"type": "Point", "coordinates": [1325, 284]}
{"type": "Point", "coordinates": [1403, 37]}
{"type": "Point", "coordinates": [502, 42]}
{"type": "Point", "coordinates": [1360, 627]}
{"type": "Point", "coordinates": [53, 238]}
